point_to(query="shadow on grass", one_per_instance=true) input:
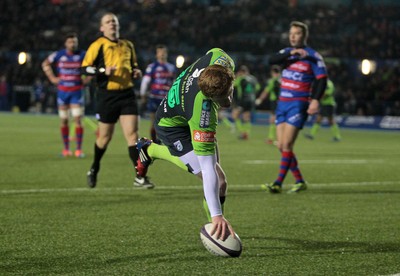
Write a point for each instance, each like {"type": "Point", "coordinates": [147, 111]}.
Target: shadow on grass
{"type": "Point", "coordinates": [330, 247]}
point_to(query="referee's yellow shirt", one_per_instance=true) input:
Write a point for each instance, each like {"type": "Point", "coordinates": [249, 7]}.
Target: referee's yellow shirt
{"type": "Point", "coordinates": [104, 53]}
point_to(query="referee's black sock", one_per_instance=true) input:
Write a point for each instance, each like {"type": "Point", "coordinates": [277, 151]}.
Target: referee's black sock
{"type": "Point", "coordinates": [98, 154]}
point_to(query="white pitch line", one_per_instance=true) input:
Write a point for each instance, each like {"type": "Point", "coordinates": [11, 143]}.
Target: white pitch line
{"type": "Point", "coordinates": [196, 187]}
{"type": "Point", "coordinates": [338, 161]}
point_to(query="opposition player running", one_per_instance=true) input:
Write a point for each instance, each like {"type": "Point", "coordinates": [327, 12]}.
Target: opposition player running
{"type": "Point", "coordinates": [69, 89]}
{"type": "Point", "coordinates": [303, 83]}
{"type": "Point", "coordinates": [186, 122]}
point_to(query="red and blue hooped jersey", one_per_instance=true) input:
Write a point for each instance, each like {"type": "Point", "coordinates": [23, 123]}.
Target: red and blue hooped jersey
{"type": "Point", "coordinates": [299, 75]}
{"type": "Point", "coordinates": [68, 67]}
{"type": "Point", "coordinates": [162, 76]}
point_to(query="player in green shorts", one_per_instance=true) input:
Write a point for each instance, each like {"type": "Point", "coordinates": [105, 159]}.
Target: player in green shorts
{"type": "Point", "coordinates": [328, 105]}
{"type": "Point", "coordinates": [186, 123]}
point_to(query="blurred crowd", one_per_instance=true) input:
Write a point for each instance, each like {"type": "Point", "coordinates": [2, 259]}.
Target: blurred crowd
{"type": "Point", "coordinates": [248, 30]}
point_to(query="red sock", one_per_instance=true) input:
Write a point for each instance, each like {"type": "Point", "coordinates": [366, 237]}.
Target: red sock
{"type": "Point", "coordinates": [65, 136]}
{"type": "Point", "coordinates": [295, 169]}
{"type": "Point", "coordinates": [284, 166]}
{"type": "Point", "coordinates": [79, 137]}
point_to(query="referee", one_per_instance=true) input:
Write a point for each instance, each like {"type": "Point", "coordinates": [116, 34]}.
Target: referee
{"type": "Point", "coordinates": [114, 63]}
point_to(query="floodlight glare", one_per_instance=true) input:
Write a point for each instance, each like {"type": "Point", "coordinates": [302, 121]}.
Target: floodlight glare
{"type": "Point", "coordinates": [368, 66]}
{"type": "Point", "coordinates": [22, 58]}
{"type": "Point", "coordinates": [180, 60]}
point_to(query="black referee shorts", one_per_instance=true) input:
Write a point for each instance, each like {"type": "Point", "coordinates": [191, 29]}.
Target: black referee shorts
{"type": "Point", "coordinates": [113, 103]}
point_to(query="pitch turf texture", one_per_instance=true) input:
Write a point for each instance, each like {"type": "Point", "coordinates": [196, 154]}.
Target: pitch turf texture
{"type": "Point", "coordinates": [346, 223]}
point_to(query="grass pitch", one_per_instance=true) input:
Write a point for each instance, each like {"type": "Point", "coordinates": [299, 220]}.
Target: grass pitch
{"type": "Point", "coordinates": [346, 223]}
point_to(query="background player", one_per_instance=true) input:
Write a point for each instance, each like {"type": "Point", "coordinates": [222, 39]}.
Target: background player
{"type": "Point", "coordinates": [69, 89]}
{"type": "Point", "coordinates": [271, 90]}
{"type": "Point", "coordinates": [159, 77]}
{"type": "Point", "coordinates": [327, 110]}
{"type": "Point", "coordinates": [303, 83]}
{"type": "Point", "coordinates": [246, 88]}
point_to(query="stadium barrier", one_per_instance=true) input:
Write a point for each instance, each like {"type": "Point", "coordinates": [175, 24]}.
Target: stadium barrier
{"type": "Point", "coordinates": [344, 121]}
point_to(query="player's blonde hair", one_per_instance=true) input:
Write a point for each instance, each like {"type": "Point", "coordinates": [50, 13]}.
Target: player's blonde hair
{"type": "Point", "coordinates": [216, 81]}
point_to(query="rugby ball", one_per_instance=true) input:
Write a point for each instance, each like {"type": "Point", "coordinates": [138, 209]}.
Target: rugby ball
{"type": "Point", "coordinates": [230, 247]}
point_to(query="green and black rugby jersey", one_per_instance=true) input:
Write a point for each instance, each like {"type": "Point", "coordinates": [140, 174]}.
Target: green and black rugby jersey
{"type": "Point", "coordinates": [186, 106]}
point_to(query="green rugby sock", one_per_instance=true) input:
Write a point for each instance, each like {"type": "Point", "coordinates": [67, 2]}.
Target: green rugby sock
{"type": "Point", "coordinates": [156, 151]}
{"type": "Point", "coordinates": [335, 131]}
{"type": "Point", "coordinates": [272, 132]}
{"type": "Point", "coordinates": [314, 129]}
{"type": "Point", "coordinates": [238, 124]}
{"type": "Point", "coordinates": [226, 122]}
{"type": "Point", "coordinates": [88, 122]}
{"type": "Point", "coordinates": [247, 127]}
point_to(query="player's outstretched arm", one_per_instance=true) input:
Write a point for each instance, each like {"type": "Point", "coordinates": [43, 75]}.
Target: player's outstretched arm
{"type": "Point", "coordinates": [211, 192]}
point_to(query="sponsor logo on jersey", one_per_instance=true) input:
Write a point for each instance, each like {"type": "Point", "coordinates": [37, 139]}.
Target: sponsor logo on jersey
{"type": "Point", "coordinates": [224, 61]}
{"type": "Point", "coordinates": [203, 136]}
{"type": "Point", "coordinates": [205, 114]}
{"type": "Point", "coordinates": [189, 81]}
{"type": "Point", "coordinates": [197, 72]}
{"type": "Point", "coordinates": [178, 145]}
{"type": "Point", "coordinates": [292, 75]}
{"type": "Point", "coordinates": [69, 64]}
{"type": "Point", "coordinates": [286, 94]}
{"type": "Point", "coordinates": [290, 85]}
{"type": "Point", "coordinates": [299, 66]}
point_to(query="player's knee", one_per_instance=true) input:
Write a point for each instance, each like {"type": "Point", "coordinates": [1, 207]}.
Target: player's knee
{"type": "Point", "coordinates": [103, 139]}
{"type": "Point", "coordinates": [64, 123]}
{"type": "Point", "coordinates": [102, 143]}
{"type": "Point", "coordinates": [76, 112]}
{"type": "Point", "coordinates": [285, 146]}
{"type": "Point", "coordinates": [63, 114]}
